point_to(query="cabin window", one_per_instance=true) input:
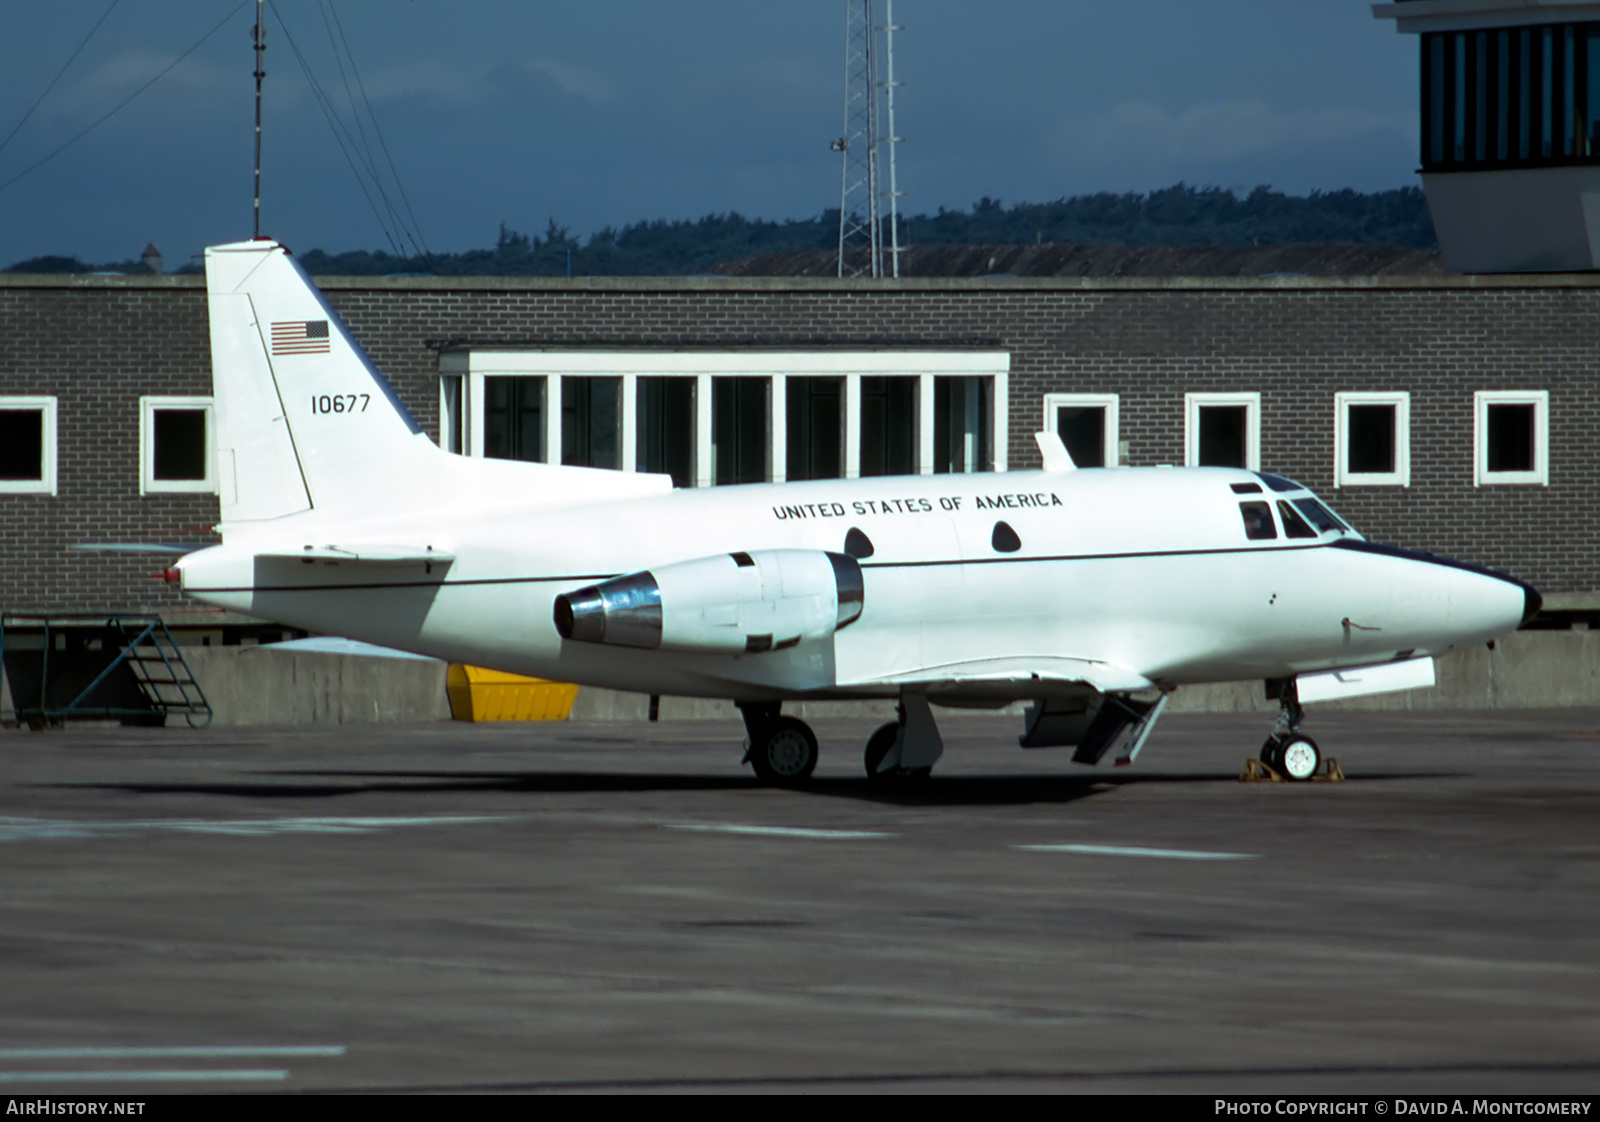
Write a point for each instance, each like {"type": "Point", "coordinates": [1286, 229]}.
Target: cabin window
{"type": "Point", "coordinates": [1293, 525]}
{"type": "Point", "coordinates": [1087, 424]}
{"type": "Point", "coordinates": [1258, 525]}
{"type": "Point", "coordinates": [175, 445]}
{"type": "Point", "coordinates": [1512, 436]}
{"type": "Point", "coordinates": [1319, 516]}
{"type": "Point", "coordinates": [28, 445]}
{"type": "Point", "coordinates": [816, 428]}
{"type": "Point", "coordinates": [1371, 439]}
{"type": "Point", "coordinates": [1004, 539]}
{"type": "Point", "coordinates": [1222, 430]}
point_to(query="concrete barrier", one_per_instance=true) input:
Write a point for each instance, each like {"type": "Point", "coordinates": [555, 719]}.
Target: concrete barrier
{"type": "Point", "coordinates": [264, 686]}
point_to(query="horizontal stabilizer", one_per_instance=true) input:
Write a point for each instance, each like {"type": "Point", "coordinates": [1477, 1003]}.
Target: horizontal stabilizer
{"type": "Point", "coordinates": [170, 548]}
{"type": "Point", "coordinates": [1021, 673]}
{"type": "Point", "coordinates": [367, 554]}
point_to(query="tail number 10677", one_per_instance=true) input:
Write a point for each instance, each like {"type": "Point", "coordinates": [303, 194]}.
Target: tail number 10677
{"type": "Point", "coordinates": [340, 402]}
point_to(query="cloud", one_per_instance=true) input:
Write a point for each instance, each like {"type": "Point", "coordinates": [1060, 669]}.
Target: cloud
{"type": "Point", "coordinates": [476, 84]}
{"type": "Point", "coordinates": [1139, 136]}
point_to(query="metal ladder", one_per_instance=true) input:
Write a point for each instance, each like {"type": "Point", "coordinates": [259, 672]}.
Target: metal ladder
{"type": "Point", "coordinates": [147, 650]}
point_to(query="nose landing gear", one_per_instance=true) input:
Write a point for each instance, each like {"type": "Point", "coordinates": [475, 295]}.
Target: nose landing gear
{"type": "Point", "coordinates": [1288, 751]}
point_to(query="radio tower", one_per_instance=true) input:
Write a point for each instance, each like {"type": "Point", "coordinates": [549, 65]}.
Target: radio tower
{"type": "Point", "coordinates": [863, 199]}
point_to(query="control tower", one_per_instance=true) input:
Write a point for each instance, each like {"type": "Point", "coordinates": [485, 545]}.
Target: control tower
{"type": "Point", "coordinates": [1510, 130]}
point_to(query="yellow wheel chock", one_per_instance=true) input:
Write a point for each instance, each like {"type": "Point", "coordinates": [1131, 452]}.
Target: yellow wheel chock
{"type": "Point", "coordinates": [1255, 771]}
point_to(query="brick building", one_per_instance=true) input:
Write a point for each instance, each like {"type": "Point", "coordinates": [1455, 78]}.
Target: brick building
{"type": "Point", "coordinates": [1452, 414]}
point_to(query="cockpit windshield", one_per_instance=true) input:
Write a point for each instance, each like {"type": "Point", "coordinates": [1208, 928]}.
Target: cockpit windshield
{"type": "Point", "coordinates": [1278, 482]}
{"type": "Point", "coordinates": [1320, 516]}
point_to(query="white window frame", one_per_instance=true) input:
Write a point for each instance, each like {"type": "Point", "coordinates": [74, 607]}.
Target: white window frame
{"type": "Point", "coordinates": [1194, 402]}
{"type": "Point", "coordinates": [148, 483]}
{"type": "Point", "coordinates": [1401, 475]}
{"type": "Point", "coordinates": [1481, 400]}
{"type": "Point", "coordinates": [46, 485]}
{"type": "Point", "coordinates": [775, 366]}
{"type": "Point", "coordinates": [1110, 402]}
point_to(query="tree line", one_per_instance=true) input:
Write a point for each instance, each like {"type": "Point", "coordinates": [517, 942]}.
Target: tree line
{"type": "Point", "coordinates": [1177, 215]}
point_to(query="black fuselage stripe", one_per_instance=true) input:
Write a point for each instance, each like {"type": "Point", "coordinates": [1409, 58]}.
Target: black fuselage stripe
{"type": "Point", "coordinates": [865, 565]}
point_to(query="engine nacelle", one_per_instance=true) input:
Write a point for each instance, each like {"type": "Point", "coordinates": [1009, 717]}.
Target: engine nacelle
{"type": "Point", "coordinates": [734, 602]}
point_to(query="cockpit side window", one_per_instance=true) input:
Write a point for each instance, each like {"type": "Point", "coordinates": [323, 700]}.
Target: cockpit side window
{"type": "Point", "coordinates": [1278, 482]}
{"type": "Point", "coordinates": [1258, 525]}
{"type": "Point", "coordinates": [1293, 525]}
{"type": "Point", "coordinates": [1321, 517]}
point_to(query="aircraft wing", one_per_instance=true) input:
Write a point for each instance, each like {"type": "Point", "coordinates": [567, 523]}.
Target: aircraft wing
{"type": "Point", "coordinates": [1019, 674]}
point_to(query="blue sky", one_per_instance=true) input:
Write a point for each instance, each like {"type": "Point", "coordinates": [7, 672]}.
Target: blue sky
{"type": "Point", "coordinates": [615, 110]}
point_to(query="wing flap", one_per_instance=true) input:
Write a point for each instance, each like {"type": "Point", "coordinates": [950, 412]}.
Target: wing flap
{"type": "Point", "coordinates": [1018, 673]}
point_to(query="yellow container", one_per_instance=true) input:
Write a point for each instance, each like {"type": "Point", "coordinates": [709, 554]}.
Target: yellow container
{"type": "Point", "coordinates": [477, 694]}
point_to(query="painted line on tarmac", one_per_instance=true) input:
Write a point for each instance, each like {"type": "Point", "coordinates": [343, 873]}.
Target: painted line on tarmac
{"type": "Point", "coordinates": [782, 832]}
{"type": "Point", "coordinates": [247, 1075]}
{"type": "Point", "coordinates": [1140, 851]}
{"type": "Point", "coordinates": [186, 1052]}
{"type": "Point", "coordinates": [44, 829]}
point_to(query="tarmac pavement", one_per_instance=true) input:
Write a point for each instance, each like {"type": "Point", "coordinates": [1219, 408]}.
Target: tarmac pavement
{"type": "Point", "coordinates": [617, 907]}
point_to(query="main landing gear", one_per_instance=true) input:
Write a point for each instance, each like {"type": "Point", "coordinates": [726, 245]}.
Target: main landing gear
{"type": "Point", "coordinates": [1287, 751]}
{"type": "Point", "coordinates": [782, 750]}
{"type": "Point", "coordinates": [903, 752]}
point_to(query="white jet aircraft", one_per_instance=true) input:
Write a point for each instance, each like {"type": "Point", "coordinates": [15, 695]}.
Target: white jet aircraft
{"type": "Point", "coordinates": [1092, 594]}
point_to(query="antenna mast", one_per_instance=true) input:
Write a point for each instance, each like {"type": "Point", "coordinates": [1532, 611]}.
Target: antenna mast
{"type": "Point", "coordinates": [858, 147]}
{"type": "Point", "coordinates": [259, 35]}
{"type": "Point", "coordinates": [889, 28]}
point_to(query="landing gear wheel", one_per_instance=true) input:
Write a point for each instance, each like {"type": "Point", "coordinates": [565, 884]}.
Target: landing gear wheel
{"type": "Point", "coordinates": [787, 754]}
{"type": "Point", "coordinates": [878, 747]}
{"type": "Point", "coordinates": [1298, 758]}
{"type": "Point", "coordinates": [1271, 754]}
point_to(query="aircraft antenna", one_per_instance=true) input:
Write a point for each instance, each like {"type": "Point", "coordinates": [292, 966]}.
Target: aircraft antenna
{"type": "Point", "coordinates": [258, 35]}
{"type": "Point", "coordinates": [889, 84]}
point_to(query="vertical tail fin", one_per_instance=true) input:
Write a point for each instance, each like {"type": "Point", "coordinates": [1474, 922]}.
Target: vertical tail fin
{"type": "Point", "coordinates": [304, 420]}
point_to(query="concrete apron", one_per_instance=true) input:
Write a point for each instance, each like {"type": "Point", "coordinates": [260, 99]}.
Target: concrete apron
{"type": "Point", "coordinates": [260, 686]}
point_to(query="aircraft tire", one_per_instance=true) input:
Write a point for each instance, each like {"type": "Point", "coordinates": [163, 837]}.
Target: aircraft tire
{"type": "Point", "coordinates": [878, 746]}
{"type": "Point", "coordinates": [788, 755]}
{"type": "Point", "coordinates": [1299, 757]}
{"type": "Point", "coordinates": [1270, 754]}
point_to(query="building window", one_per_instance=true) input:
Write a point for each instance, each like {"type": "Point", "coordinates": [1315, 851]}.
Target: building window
{"type": "Point", "coordinates": [513, 418]}
{"type": "Point", "coordinates": [1513, 96]}
{"type": "Point", "coordinates": [28, 445]}
{"type": "Point", "coordinates": [175, 445]}
{"type": "Point", "coordinates": [731, 416]}
{"type": "Point", "coordinates": [1222, 430]}
{"type": "Point", "coordinates": [816, 428]}
{"type": "Point", "coordinates": [1087, 425]}
{"type": "Point", "coordinates": [889, 426]}
{"type": "Point", "coordinates": [591, 422]}
{"type": "Point", "coordinates": [740, 436]}
{"type": "Point", "coordinates": [1511, 437]}
{"type": "Point", "coordinates": [666, 423]}
{"type": "Point", "coordinates": [962, 430]}
{"type": "Point", "coordinates": [1372, 440]}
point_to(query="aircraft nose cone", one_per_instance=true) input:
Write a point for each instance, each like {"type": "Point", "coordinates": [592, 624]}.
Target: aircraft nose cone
{"type": "Point", "coordinates": [1531, 603]}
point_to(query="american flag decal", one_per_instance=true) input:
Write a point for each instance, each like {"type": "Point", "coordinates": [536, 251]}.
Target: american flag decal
{"type": "Point", "coordinates": [300, 337]}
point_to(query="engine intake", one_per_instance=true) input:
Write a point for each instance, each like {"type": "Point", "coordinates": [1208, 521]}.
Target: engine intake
{"type": "Point", "coordinates": [730, 603]}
